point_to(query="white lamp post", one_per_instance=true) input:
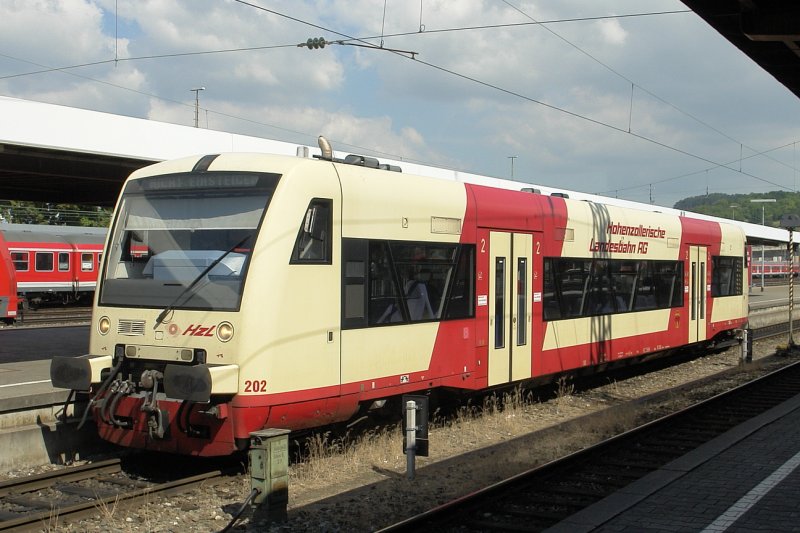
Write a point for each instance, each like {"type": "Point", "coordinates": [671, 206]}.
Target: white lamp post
{"type": "Point", "coordinates": [762, 201]}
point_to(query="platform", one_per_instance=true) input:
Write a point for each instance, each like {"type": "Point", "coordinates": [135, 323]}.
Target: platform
{"type": "Point", "coordinates": [25, 384]}
{"type": "Point", "coordinates": [747, 479]}
{"type": "Point", "coordinates": [30, 434]}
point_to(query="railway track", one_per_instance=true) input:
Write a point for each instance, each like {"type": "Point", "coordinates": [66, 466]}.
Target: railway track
{"type": "Point", "coordinates": [542, 497]}
{"type": "Point", "coordinates": [76, 493]}
{"type": "Point", "coordinates": [46, 500]}
{"type": "Point", "coordinates": [55, 315]}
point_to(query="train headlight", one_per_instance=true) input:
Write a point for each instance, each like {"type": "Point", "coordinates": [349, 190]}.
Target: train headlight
{"type": "Point", "coordinates": [103, 325]}
{"type": "Point", "coordinates": [225, 331]}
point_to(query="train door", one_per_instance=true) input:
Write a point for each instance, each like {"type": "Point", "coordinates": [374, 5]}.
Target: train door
{"type": "Point", "coordinates": [510, 306]}
{"type": "Point", "coordinates": [698, 265]}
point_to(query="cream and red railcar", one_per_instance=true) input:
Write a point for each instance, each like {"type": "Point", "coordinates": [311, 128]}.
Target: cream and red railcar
{"type": "Point", "coordinates": [40, 263]}
{"type": "Point", "coordinates": [292, 293]}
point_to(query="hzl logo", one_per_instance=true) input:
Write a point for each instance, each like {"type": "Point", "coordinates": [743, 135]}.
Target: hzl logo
{"type": "Point", "coordinates": [199, 331]}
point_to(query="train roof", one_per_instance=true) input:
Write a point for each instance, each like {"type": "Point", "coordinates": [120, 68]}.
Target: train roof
{"type": "Point", "coordinates": [45, 233]}
{"type": "Point", "coordinates": [755, 233]}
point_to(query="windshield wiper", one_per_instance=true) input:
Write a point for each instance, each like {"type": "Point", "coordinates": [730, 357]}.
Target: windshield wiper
{"type": "Point", "coordinates": [161, 316]}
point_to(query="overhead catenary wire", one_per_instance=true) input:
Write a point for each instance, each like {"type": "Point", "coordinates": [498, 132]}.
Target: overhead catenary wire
{"type": "Point", "coordinates": [540, 102]}
{"type": "Point", "coordinates": [348, 38]}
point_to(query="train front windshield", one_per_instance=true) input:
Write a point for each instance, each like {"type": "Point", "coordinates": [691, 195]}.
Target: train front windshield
{"type": "Point", "coordinates": [184, 241]}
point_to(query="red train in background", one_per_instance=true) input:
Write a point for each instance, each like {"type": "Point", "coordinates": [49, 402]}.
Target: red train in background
{"type": "Point", "coordinates": [43, 264]}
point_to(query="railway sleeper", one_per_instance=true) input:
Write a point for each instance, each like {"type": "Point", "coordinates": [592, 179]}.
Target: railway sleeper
{"type": "Point", "coordinates": [665, 449]}
{"type": "Point", "coordinates": [687, 443]}
{"type": "Point", "coordinates": [90, 493]}
{"type": "Point", "coordinates": [589, 489]}
{"type": "Point", "coordinates": [698, 432]}
{"type": "Point", "coordinates": [625, 463]}
{"type": "Point", "coordinates": [126, 483]}
{"type": "Point", "coordinates": [610, 472]}
{"type": "Point", "coordinates": [488, 522]}
{"type": "Point", "coordinates": [634, 458]}
{"type": "Point", "coordinates": [509, 524]}
{"type": "Point", "coordinates": [614, 482]}
{"type": "Point", "coordinates": [29, 502]}
{"type": "Point", "coordinates": [564, 498]}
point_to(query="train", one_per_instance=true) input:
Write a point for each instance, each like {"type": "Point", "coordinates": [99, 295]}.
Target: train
{"type": "Point", "coordinates": [247, 291]}
{"type": "Point", "coordinates": [45, 264]}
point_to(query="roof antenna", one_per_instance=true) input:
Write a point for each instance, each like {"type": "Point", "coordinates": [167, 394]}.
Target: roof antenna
{"type": "Point", "coordinates": [325, 146]}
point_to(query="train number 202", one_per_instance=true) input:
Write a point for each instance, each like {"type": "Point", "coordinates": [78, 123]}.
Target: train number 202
{"type": "Point", "coordinates": [256, 385]}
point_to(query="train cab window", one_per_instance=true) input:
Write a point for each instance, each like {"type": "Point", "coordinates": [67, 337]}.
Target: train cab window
{"type": "Point", "coordinates": [44, 261]}
{"type": "Point", "coordinates": [313, 243]}
{"type": "Point", "coordinates": [63, 261]}
{"type": "Point", "coordinates": [21, 261]}
{"type": "Point", "coordinates": [87, 262]}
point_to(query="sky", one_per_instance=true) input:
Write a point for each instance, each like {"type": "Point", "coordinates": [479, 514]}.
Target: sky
{"type": "Point", "coordinates": [636, 100]}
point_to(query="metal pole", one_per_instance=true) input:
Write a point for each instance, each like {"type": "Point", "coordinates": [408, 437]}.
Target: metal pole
{"type": "Point", "coordinates": [747, 347]}
{"type": "Point", "coordinates": [762, 251]}
{"type": "Point", "coordinates": [411, 436]}
{"type": "Point", "coordinates": [791, 284]}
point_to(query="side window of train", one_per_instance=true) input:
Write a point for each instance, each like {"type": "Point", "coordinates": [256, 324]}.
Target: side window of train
{"type": "Point", "coordinates": [314, 240]}
{"type": "Point", "coordinates": [727, 274]}
{"type": "Point", "coordinates": [436, 279]}
{"type": "Point", "coordinates": [577, 287]}
{"type": "Point", "coordinates": [391, 282]}
{"type": "Point", "coordinates": [87, 262]}
{"type": "Point", "coordinates": [354, 283]}
{"type": "Point", "coordinates": [383, 296]}
{"type": "Point", "coordinates": [63, 261]}
{"type": "Point", "coordinates": [461, 297]}
{"type": "Point", "coordinates": [21, 261]}
{"type": "Point", "coordinates": [44, 261]}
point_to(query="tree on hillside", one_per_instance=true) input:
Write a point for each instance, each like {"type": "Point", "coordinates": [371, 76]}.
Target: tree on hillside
{"type": "Point", "coordinates": [740, 207]}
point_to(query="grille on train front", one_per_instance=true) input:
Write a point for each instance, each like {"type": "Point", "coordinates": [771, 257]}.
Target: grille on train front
{"type": "Point", "coordinates": [130, 327]}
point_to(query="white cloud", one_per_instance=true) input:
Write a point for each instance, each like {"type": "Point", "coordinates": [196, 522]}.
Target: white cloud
{"type": "Point", "coordinates": [377, 101]}
{"type": "Point", "coordinates": [612, 31]}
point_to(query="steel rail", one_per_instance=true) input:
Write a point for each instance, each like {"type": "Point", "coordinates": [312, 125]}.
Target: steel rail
{"type": "Point", "coordinates": [94, 504]}
{"type": "Point", "coordinates": [454, 514]}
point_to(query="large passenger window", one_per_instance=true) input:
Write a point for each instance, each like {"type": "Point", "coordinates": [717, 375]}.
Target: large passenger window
{"type": "Point", "coordinates": [21, 261]}
{"type": "Point", "coordinates": [576, 288]}
{"type": "Point", "coordinates": [44, 261]}
{"type": "Point", "coordinates": [390, 282]}
{"type": "Point", "coordinates": [726, 276]}
{"type": "Point", "coordinates": [63, 261]}
{"type": "Point", "coordinates": [87, 262]}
